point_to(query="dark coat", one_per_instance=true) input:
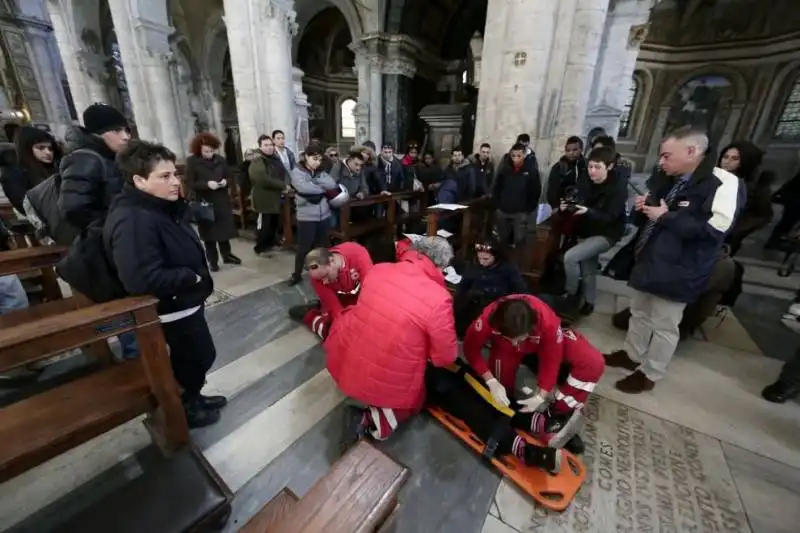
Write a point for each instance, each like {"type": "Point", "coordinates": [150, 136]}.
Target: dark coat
{"type": "Point", "coordinates": [563, 174]}
{"type": "Point", "coordinates": [489, 284]}
{"type": "Point", "coordinates": [517, 192]}
{"type": "Point", "coordinates": [486, 171]}
{"type": "Point", "coordinates": [268, 177]}
{"type": "Point", "coordinates": [88, 182]}
{"type": "Point", "coordinates": [605, 203]}
{"type": "Point", "coordinates": [156, 251]}
{"type": "Point", "coordinates": [199, 172]}
{"type": "Point", "coordinates": [679, 256]}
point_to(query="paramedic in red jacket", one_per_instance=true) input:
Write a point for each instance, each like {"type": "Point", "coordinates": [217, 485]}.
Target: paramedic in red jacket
{"type": "Point", "coordinates": [336, 276]}
{"type": "Point", "coordinates": [516, 326]}
{"type": "Point", "coordinates": [378, 349]}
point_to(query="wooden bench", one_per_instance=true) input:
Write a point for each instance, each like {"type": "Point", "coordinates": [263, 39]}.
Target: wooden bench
{"type": "Point", "coordinates": [476, 221]}
{"type": "Point", "coordinates": [358, 495]}
{"type": "Point", "coordinates": [349, 231]}
{"type": "Point", "coordinates": [540, 250]}
{"type": "Point", "coordinates": [36, 259]}
{"type": "Point", "coordinates": [48, 424]}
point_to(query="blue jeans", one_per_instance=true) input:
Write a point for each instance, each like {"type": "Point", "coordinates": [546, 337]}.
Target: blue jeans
{"type": "Point", "coordinates": [581, 264]}
{"type": "Point", "coordinates": [12, 295]}
{"type": "Point", "coordinates": [130, 347]}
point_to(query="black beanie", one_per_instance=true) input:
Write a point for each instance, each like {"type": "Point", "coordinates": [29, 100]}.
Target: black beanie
{"type": "Point", "coordinates": [100, 118]}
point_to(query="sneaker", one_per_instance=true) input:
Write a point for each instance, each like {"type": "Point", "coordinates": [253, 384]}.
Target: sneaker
{"type": "Point", "coordinates": [355, 426]}
{"type": "Point", "coordinates": [780, 392]}
{"type": "Point", "coordinates": [586, 309]}
{"type": "Point", "coordinates": [543, 457]}
{"type": "Point", "coordinates": [557, 429]}
{"type": "Point", "coordinates": [620, 359]}
{"type": "Point", "coordinates": [231, 259]}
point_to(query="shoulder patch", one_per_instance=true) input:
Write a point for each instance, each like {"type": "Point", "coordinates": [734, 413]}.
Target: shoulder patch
{"type": "Point", "coordinates": [478, 325]}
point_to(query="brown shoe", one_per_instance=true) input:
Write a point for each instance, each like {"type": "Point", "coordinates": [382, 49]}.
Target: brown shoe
{"type": "Point", "coordinates": [620, 359]}
{"type": "Point", "coordinates": [636, 383]}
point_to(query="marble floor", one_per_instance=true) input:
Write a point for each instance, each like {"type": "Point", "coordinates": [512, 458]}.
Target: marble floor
{"type": "Point", "coordinates": [701, 452]}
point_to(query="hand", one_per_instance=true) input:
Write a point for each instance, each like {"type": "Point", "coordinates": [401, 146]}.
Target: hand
{"type": "Point", "coordinates": [385, 193]}
{"type": "Point", "coordinates": [198, 278]}
{"type": "Point", "coordinates": [223, 182]}
{"type": "Point", "coordinates": [360, 195]}
{"type": "Point", "coordinates": [213, 185]}
{"type": "Point", "coordinates": [638, 202]}
{"type": "Point", "coordinates": [535, 402]}
{"type": "Point", "coordinates": [562, 206]}
{"type": "Point", "coordinates": [498, 391]}
{"type": "Point", "coordinates": [580, 210]}
{"type": "Point", "coordinates": [655, 212]}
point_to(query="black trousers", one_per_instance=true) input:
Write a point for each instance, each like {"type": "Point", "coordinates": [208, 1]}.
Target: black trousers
{"type": "Point", "coordinates": [790, 217]}
{"type": "Point", "coordinates": [450, 392]}
{"type": "Point", "coordinates": [191, 351]}
{"type": "Point", "coordinates": [267, 234]}
{"type": "Point", "coordinates": [310, 235]}
{"type": "Point", "coordinates": [790, 373]}
{"type": "Point", "coordinates": [211, 250]}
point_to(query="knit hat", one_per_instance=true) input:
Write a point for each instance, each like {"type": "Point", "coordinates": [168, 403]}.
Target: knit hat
{"type": "Point", "coordinates": [100, 118]}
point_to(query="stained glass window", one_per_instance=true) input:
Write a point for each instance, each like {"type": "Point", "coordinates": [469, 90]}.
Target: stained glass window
{"type": "Point", "coordinates": [627, 110]}
{"type": "Point", "coordinates": [348, 119]}
{"type": "Point", "coordinates": [788, 127]}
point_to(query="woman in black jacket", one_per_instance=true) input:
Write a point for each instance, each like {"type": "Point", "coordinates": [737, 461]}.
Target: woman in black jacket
{"type": "Point", "coordinates": [743, 158]}
{"type": "Point", "coordinates": [37, 158]}
{"type": "Point", "coordinates": [492, 276]}
{"type": "Point", "coordinates": [600, 223]}
{"type": "Point", "coordinates": [207, 180]}
{"type": "Point", "coordinates": [156, 252]}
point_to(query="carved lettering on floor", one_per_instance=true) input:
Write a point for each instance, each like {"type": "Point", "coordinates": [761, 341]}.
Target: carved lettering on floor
{"type": "Point", "coordinates": [647, 475]}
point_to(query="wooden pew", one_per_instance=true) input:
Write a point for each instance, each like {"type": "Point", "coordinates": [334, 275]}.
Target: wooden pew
{"type": "Point", "coordinates": [476, 221]}
{"type": "Point", "coordinates": [358, 495]}
{"type": "Point", "coordinates": [540, 249]}
{"type": "Point", "coordinates": [288, 218]}
{"type": "Point", "coordinates": [36, 258]}
{"type": "Point", "coordinates": [45, 425]}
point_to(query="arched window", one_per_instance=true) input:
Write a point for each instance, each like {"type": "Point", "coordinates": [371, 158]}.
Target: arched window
{"type": "Point", "coordinates": [348, 119]}
{"type": "Point", "coordinates": [626, 118]}
{"type": "Point", "coordinates": [788, 127]}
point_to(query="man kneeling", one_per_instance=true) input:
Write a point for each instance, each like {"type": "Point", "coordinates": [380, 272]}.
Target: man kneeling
{"type": "Point", "coordinates": [521, 329]}
{"type": "Point", "coordinates": [336, 276]}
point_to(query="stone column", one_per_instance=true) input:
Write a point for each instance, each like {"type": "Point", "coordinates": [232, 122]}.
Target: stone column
{"type": "Point", "coordinates": [398, 73]}
{"type": "Point", "coordinates": [655, 139]}
{"type": "Point", "coordinates": [625, 30]}
{"type": "Point", "coordinates": [514, 66]}
{"type": "Point", "coordinates": [361, 111]}
{"type": "Point", "coordinates": [301, 111]}
{"type": "Point", "coordinates": [584, 47]}
{"type": "Point", "coordinates": [148, 62]}
{"type": "Point", "coordinates": [376, 102]}
{"type": "Point", "coordinates": [86, 76]}
{"type": "Point", "coordinates": [277, 39]}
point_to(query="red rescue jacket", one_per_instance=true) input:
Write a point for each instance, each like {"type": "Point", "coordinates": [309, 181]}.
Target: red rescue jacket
{"type": "Point", "coordinates": [336, 295]}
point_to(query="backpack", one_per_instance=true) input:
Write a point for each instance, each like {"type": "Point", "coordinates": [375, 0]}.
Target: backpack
{"type": "Point", "coordinates": [41, 208]}
{"type": "Point", "coordinates": [245, 187]}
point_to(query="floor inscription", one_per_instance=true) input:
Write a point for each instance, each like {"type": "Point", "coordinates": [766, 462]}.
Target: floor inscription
{"type": "Point", "coordinates": [645, 475]}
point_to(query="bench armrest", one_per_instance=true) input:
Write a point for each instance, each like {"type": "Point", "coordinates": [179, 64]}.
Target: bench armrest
{"type": "Point", "coordinates": [34, 258]}
{"type": "Point", "coordinates": [43, 338]}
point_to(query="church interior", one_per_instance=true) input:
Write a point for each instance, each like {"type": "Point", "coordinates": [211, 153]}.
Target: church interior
{"type": "Point", "coordinates": [701, 452]}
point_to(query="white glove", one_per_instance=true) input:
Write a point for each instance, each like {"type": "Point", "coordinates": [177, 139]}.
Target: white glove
{"type": "Point", "coordinates": [498, 392]}
{"type": "Point", "coordinates": [533, 403]}
{"type": "Point", "coordinates": [213, 185]}
{"type": "Point", "coordinates": [223, 183]}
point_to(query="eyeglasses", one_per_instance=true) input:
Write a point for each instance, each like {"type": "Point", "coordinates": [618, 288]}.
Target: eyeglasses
{"type": "Point", "coordinates": [483, 248]}
{"type": "Point", "coordinates": [333, 154]}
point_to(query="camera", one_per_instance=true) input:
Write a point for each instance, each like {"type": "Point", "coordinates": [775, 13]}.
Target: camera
{"type": "Point", "coordinates": [571, 198]}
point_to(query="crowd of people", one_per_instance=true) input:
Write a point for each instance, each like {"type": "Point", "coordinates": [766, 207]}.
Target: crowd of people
{"type": "Point", "coordinates": [135, 227]}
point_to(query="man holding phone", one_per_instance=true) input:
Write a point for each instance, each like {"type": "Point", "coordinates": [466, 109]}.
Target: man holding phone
{"type": "Point", "coordinates": [682, 223]}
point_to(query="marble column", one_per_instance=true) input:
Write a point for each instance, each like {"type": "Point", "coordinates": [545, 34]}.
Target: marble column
{"type": "Point", "coordinates": [148, 62]}
{"type": "Point", "coordinates": [584, 47]}
{"type": "Point", "coordinates": [397, 80]}
{"type": "Point", "coordinates": [277, 39]}
{"type": "Point", "coordinates": [301, 106]}
{"type": "Point", "coordinates": [625, 30]}
{"type": "Point", "coordinates": [376, 102]}
{"type": "Point", "coordinates": [84, 68]}
{"type": "Point", "coordinates": [514, 66]}
{"type": "Point", "coordinates": [361, 111]}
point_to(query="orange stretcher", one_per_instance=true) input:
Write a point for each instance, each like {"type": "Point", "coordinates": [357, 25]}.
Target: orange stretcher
{"type": "Point", "coordinates": [553, 491]}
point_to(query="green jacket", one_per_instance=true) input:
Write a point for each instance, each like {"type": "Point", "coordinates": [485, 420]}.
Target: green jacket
{"type": "Point", "coordinates": [267, 177]}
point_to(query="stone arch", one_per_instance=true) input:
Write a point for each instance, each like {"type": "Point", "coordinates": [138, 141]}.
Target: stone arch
{"type": "Point", "coordinates": [215, 49]}
{"type": "Point", "coordinates": [736, 78]}
{"type": "Point", "coordinates": [644, 77]}
{"type": "Point", "coordinates": [308, 9]}
{"type": "Point", "coordinates": [780, 89]}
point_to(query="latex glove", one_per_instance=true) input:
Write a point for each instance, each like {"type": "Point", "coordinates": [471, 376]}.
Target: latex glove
{"type": "Point", "coordinates": [533, 403]}
{"type": "Point", "coordinates": [223, 183]}
{"type": "Point", "coordinates": [213, 185]}
{"type": "Point", "coordinates": [498, 392]}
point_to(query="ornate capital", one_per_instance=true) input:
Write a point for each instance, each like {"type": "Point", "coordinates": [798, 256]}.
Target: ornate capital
{"type": "Point", "coordinates": [399, 65]}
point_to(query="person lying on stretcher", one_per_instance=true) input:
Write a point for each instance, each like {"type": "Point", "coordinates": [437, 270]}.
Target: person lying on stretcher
{"type": "Point", "coordinates": [521, 329]}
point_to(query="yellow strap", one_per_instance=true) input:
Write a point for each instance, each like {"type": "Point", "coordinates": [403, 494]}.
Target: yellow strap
{"type": "Point", "coordinates": [481, 389]}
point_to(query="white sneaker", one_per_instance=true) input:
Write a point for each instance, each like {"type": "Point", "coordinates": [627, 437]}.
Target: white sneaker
{"type": "Point", "coordinates": [794, 310]}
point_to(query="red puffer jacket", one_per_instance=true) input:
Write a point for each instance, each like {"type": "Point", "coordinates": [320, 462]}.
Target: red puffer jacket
{"type": "Point", "coordinates": [377, 350]}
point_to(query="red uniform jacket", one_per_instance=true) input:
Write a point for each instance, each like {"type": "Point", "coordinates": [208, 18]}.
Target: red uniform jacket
{"type": "Point", "coordinates": [338, 294]}
{"type": "Point", "coordinates": [545, 340]}
{"type": "Point", "coordinates": [378, 349]}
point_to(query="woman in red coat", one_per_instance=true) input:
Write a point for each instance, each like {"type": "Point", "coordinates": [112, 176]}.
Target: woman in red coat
{"type": "Point", "coordinates": [378, 349]}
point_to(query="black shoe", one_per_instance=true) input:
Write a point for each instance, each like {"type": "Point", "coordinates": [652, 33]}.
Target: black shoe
{"type": "Point", "coordinates": [213, 402]}
{"type": "Point", "coordinates": [198, 416]}
{"type": "Point", "coordinates": [587, 309]}
{"type": "Point", "coordinates": [231, 259]}
{"type": "Point", "coordinates": [355, 427]}
{"type": "Point", "coordinates": [567, 306]}
{"type": "Point", "coordinates": [297, 312]}
{"type": "Point", "coordinates": [257, 250]}
{"type": "Point", "coordinates": [213, 267]}
{"type": "Point", "coordinates": [543, 457]}
{"type": "Point", "coordinates": [780, 392]}
{"type": "Point", "coordinates": [295, 279]}
{"type": "Point", "coordinates": [575, 445]}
